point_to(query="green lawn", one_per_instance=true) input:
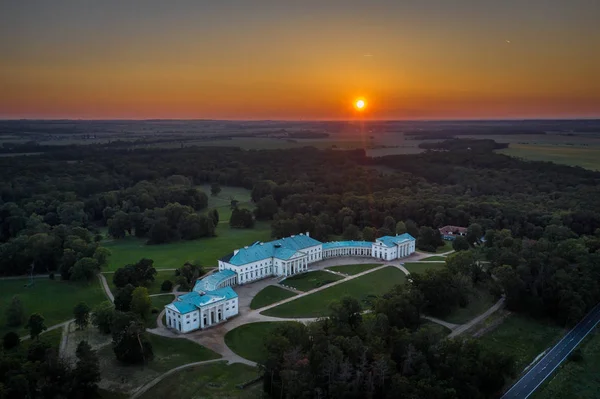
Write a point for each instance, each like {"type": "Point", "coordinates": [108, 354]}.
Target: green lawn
{"type": "Point", "coordinates": [362, 288]}
{"type": "Point", "coordinates": [248, 340]}
{"type": "Point", "coordinates": [420, 267]}
{"type": "Point", "coordinates": [206, 251]}
{"type": "Point", "coordinates": [311, 280]}
{"type": "Point", "coordinates": [353, 269]}
{"type": "Point", "coordinates": [434, 259]}
{"type": "Point", "coordinates": [168, 354]}
{"type": "Point", "coordinates": [154, 287]}
{"type": "Point", "coordinates": [53, 299]}
{"type": "Point", "coordinates": [53, 337]}
{"type": "Point", "coordinates": [158, 302]}
{"type": "Point", "coordinates": [210, 381]}
{"type": "Point", "coordinates": [576, 380]}
{"type": "Point", "coordinates": [522, 337]}
{"type": "Point", "coordinates": [481, 300]}
{"type": "Point", "coordinates": [222, 201]}
{"type": "Point", "coordinates": [269, 295]}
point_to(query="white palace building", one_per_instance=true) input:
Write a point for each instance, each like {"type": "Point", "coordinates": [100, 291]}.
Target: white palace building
{"type": "Point", "coordinates": [213, 300]}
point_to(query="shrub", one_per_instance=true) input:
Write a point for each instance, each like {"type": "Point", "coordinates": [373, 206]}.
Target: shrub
{"type": "Point", "coordinates": [166, 286]}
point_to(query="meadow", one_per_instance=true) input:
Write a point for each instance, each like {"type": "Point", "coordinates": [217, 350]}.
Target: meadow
{"type": "Point", "coordinates": [210, 381]}
{"type": "Point", "coordinates": [587, 157]}
{"type": "Point", "coordinates": [269, 295]}
{"type": "Point", "coordinates": [363, 288]}
{"type": "Point", "coordinates": [53, 299]}
{"type": "Point", "coordinates": [248, 340]}
{"type": "Point", "coordinates": [421, 267]}
{"type": "Point", "coordinates": [354, 269]}
{"type": "Point", "coordinates": [311, 280]}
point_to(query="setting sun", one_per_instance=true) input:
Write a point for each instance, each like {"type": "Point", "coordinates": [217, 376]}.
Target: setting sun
{"type": "Point", "coordinates": [360, 104]}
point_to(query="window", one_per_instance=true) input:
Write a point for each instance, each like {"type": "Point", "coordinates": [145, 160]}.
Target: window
{"type": "Point", "coordinates": [187, 317]}
{"type": "Point", "coordinates": [195, 320]}
{"type": "Point", "coordinates": [226, 308]}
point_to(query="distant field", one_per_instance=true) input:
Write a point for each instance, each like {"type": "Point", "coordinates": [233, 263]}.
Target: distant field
{"type": "Point", "coordinates": [586, 157]}
{"type": "Point", "coordinates": [522, 337]}
{"type": "Point", "coordinates": [248, 340]}
{"type": "Point", "coordinates": [354, 269]}
{"type": "Point", "coordinates": [206, 251]}
{"type": "Point", "coordinates": [211, 381]}
{"type": "Point", "coordinates": [53, 299]}
{"type": "Point", "coordinates": [576, 380]}
{"type": "Point", "coordinates": [362, 288]}
{"type": "Point", "coordinates": [420, 267]}
{"type": "Point", "coordinates": [311, 280]}
{"type": "Point", "coordinates": [269, 295]}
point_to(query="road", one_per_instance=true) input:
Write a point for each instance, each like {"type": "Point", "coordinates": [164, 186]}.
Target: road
{"type": "Point", "coordinates": [545, 367]}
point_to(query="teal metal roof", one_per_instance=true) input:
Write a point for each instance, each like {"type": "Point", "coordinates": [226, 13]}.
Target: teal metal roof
{"type": "Point", "coordinates": [212, 281]}
{"type": "Point", "coordinates": [193, 301]}
{"type": "Point", "coordinates": [391, 241]}
{"type": "Point", "coordinates": [283, 248]}
{"type": "Point", "coordinates": [347, 244]}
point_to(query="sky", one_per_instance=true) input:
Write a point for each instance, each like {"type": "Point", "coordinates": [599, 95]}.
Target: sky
{"type": "Point", "coordinates": [299, 59]}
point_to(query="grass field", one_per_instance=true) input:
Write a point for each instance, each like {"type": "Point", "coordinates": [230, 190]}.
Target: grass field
{"type": "Point", "coordinates": [444, 248]}
{"type": "Point", "coordinates": [222, 201]}
{"type": "Point", "coordinates": [248, 340]}
{"type": "Point", "coordinates": [522, 337]}
{"type": "Point", "coordinates": [158, 302]}
{"type": "Point", "coordinates": [310, 281]}
{"type": "Point", "coordinates": [52, 337]}
{"type": "Point", "coordinates": [206, 251]}
{"type": "Point", "coordinates": [362, 288]}
{"type": "Point", "coordinates": [168, 353]}
{"type": "Point", "coordinates": [574, 155]}
{"type": "Point", "coordinates": [210, 381]}
{"type": "Point", "coordinates": [434, 259]}
{"type": "Point", "coordinates": [481, 300]}
{"type": "Point", "coordinates": [53, 299]}
{"type": "Point", "coordinates": [420, 267]}
{"type": "Point", "coordinates": [353, 269]}
{"type": "Point", "coordinates": [269, 295]}
{"type": "Point", "coordinates": [576, 380]}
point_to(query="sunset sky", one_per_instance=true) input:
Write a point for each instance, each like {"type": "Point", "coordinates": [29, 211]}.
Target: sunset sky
{"type": "Point", "coordinates": [255, 59]}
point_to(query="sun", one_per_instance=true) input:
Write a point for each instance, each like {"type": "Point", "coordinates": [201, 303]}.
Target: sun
{"type": "Point", "coordinates": [360, 104]}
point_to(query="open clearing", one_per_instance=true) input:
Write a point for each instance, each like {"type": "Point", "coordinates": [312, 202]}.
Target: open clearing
{"type": "Point", "coordinates": [573, 155]}
{"type": "Point", "coordinates": [363, 288]}
{"type": "Point", "coordinates": [205, 251]}
{"type": "Point", "coordinates": [420, 267]}
{"type": "Point", "coordinates": [210, 381]}
{"type": "Point", "coordinates": [269, 295]}
{"type": "Point", "coordinates": [168, 353]}
{"type": "Point", "coordinates": [576, 380]}
{"type": "Point", "coordinates": [310, 280]}
{"type": "Point", "coordinates": [522, 337]}
{"type": "Point", "coordinates": [248, 340]}
{"type": "Point", "coordinates": [480, 301]}
{"type": "Point", "coordinates": [353, 269]}
{"type": "Point", "coordinates": [53, 299]}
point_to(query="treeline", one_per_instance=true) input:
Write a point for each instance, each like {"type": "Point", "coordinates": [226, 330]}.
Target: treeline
{"type": "Point", "coordinates": [454, 144]}
{"type": "Point", "coordinates": [383, 354]}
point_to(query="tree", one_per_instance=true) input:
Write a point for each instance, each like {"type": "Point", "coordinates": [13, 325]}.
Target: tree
{"type": "Point", "coordinates": [351, 233]}
{"type": "Point", "coordinates": [166, 286]}
{"type": "Point", "coordinates": [188, 274]}
{"type": "Point", "coordinates": [241, 218]}
{"type": "Point", "coordinates": [411, 228]}
{"type": "Point", "coordinates": [119, 225]}
{"type": "Point", "coordinates": [15, 314]}
{"type": "Point", "coordinates": [141, 304]}
{"type": "Point", "coordinates": [389, 224]}
{"type": "Point", "coordinates": [87, 371]}
{"type": "Point", "coordinates": [129, 339]}
{"type": "Point", "coordinates": [460, 243]}
{"type": "Point", "coordinates": [368, 233]}
{"type": "Point", "coordinates": [215, 188]}
{"type": "Point", "coordinates": [10, 340]}
{"type": "Point", "coordinates": [102, 316]}
{"type": "Point", "coordinates": [81, 313]}
{"type": "Point", "coordinates": [84, 269]}
{"type": "Point", "coordinates": [400, 227]}
{"type": "Point", "coordinates": [474, 233]}
{"type": "Point", "coordinates": [266, 208]}
{"type": "Point", "coordinates": [213, 214]}
{"type": "Point", "coordinates": [138, 274]}
{"type": "Point", "coordinates": [429, 239]}
{"type": "Point", "coordinates": [36, 325]}
{"type": "Point", "coordinates": [123, 298]}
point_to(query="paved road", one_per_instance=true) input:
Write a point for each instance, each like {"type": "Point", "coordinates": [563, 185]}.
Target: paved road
{"type": "Point", "coordinates": [544, 368]}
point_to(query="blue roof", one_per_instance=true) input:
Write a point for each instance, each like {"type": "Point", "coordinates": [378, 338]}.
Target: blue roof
{"type": "Point", "coordinates": [212, 281]}
{"type": "Point", "coordinates": [190, 302]}
{"type": "Point", "coordinates": [283, 248]}
{"type": "Point", "coordinates": [347, 244]}
{"type": "Point", "coordinates": [391, 241]}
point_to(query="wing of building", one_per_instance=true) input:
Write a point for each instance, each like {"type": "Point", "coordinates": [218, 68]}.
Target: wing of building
{"type": "Point", "coordinates": [213, 300]}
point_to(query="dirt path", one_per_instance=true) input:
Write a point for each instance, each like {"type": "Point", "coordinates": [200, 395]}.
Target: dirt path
{"type": "Point", "coordinates": [107, 290]}
{"type": "Point", "coordinates": [464, 327]}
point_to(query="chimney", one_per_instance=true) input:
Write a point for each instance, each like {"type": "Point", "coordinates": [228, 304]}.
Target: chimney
{"type": "Point", "coordinates": [246, 247]}
{"type": "Point", "coordinates": [308, 234]}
